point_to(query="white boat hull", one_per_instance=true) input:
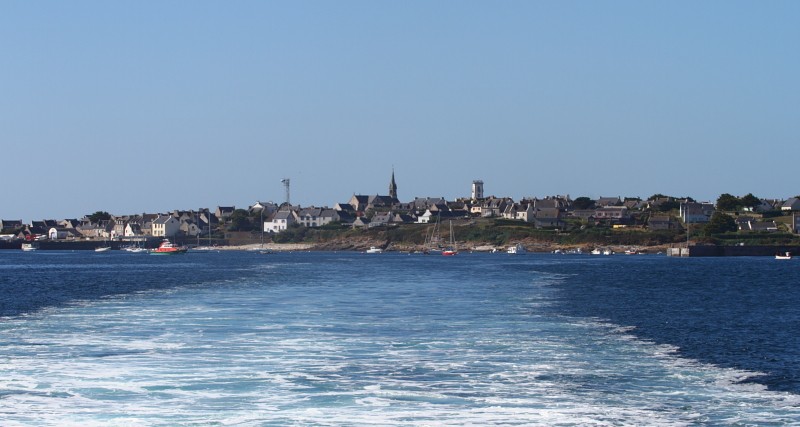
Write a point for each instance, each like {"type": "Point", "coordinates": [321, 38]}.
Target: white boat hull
{"type": "Point", "coordinates": [515, 250]}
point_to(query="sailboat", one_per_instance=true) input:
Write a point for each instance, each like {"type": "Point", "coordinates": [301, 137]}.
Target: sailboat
{"type": "Point", "coordinates": [432, 242]}
{"type": "Point", "coordinates": [451, 248]}
{"type": "Point", "coordinates": [136, 249]}
{"type": "Point", "coordinates": [105, 248]}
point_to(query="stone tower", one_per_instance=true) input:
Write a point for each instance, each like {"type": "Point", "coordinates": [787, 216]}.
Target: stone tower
{"type": "Point", "coordinates": [393, 187]}
{"type": "Point", "coordinates": [477, 190]}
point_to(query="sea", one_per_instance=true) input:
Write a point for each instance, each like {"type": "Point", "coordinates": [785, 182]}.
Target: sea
{"type": "Point", "coordinates": [352, 339]}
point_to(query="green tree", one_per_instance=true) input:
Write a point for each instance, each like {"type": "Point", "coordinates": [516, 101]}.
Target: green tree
{"type": "Point", "coordinates": [669, 205]}
{"type": "Point", "coordinates": [240, 221]}
{"type": "Point", "coordinates": [583, 203]}
{"type": "Point", "coordinates": [750, 201]}
{"type": "Point", "coordinates": [727, 202]}
{"type": "Point", "coordinates": [99, 216]}
{"type": "Point", "coordinates": [720, 223]}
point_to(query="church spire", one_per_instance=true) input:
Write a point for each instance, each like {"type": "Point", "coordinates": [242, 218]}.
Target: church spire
{"type": "Point", "coordinates": [393, 187]}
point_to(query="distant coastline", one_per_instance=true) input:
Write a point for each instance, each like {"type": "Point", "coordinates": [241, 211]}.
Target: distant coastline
{"type": "Point", "coordinates": [344, 245]}
{"type": "Point", "coordinates": [477, 223]}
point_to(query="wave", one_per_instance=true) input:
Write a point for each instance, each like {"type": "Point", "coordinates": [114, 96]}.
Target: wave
{"type": "Point", "coordinates": [248, 352]}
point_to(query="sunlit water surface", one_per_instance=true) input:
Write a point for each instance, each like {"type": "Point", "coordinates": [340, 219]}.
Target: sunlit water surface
{"type": "Point", "coordinates": [396, 339]}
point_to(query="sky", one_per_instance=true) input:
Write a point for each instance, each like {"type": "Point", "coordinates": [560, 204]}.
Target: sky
{"type": "Point", "coordinates": [132, 107]}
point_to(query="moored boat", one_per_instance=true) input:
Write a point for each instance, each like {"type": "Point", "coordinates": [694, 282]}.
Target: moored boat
{"type": "Point", "coordinates": [517, 249]}
{"type": "Point", "coordinates": [29, 247]}
{"type": "Point", "coordinates": [168, 248]}
{"type": "Point", "coordinates": [786, 255]}
{"type": "Point", "coordinates": [451, 249]}
{"type": "Point", "coordinates": [374, 250]}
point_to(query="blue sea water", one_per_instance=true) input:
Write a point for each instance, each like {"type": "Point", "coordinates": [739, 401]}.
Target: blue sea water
{"type": "Point", "coordinates": [341, 339]}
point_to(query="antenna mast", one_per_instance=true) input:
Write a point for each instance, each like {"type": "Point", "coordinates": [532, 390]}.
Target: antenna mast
{"type": "Point", "coordinates": [285, 182]}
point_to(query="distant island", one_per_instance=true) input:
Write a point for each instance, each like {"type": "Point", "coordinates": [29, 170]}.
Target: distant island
{"type": "Point", "coordinates": [552, 223]}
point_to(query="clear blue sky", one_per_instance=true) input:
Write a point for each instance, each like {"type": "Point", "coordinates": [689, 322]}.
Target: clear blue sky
{"type": "Point", "coordinates": [152, 106]}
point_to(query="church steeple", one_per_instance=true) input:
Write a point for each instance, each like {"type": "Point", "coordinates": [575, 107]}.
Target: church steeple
{"type": "Point", "coordinates": [393, 187]}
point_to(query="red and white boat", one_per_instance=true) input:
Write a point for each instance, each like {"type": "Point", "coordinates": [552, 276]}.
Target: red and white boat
{"type": "Point", "coordinates": [451, 249]}
{"type": "Point", "coordinates": [167, 248]}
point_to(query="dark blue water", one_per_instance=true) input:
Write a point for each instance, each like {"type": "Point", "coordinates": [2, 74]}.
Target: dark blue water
{"type": "Point", "coordinates": [742, 313]}
{"type": "Point", "coordinates": [32, 281]}
{"type": "Point", "coordinates": [351, 339]}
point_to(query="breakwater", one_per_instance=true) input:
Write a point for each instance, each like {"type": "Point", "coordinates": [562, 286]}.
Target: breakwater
{"type": "Point", "coordinates": [79, 245]}
{"type": "Point", "coordinates": [716, 251]}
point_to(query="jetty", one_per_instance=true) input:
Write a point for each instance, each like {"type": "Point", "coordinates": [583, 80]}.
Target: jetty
{"type": "Point", "coordinates": [738, 250]}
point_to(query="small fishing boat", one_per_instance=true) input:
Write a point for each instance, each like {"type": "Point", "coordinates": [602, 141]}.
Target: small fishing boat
{"type": "Point", "coordinates": [786, 255]}
{"type": "Point", "coordinates": [135, 249]}
{"type": "Point", "coordinates": [374, 250]}
{"type": "Point", "coordinates": [106, 247]}
{"type": "Point", "coordinates": [30, 247]}
{"type": "Point", "coordinates": [519, 249]}
{"type": "Point", "coordinates": [168, 248]}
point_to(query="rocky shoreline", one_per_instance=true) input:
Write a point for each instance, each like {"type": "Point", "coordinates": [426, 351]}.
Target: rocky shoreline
{"type": "Point", "coordinates": [535, 247]}
{"type": "Point", "coordinates": [362, 244]}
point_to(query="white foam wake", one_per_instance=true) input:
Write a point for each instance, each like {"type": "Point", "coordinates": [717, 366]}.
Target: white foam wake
{"type": "Point", "coordinates": [275, 356]}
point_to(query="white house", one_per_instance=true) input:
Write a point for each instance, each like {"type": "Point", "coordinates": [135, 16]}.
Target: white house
{"type": "Point", "coordinates": [527, 214]}
{"type": "Point", "coordinates": [165, 226]}
{"type": "Point", "coordinates": [133, 229]}
{"type": "Point", "coordinates": [425, 218]}
{"type": "Point", "coordinates": [281, 221]}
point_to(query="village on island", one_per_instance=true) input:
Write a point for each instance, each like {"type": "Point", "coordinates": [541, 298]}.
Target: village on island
{"type": "Point", "coordinates": [483, 223]}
